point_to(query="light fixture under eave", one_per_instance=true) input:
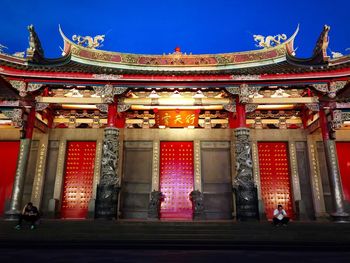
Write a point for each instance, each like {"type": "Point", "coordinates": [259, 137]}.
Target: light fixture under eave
{"type": "Point", "coordinates": [276, 107]}
{"type": "Point", "coordinates": [5, 122]}
{"type": "Point", "coordinates": [199, 94]}
{"type": "Point", "coordinates": [153, 95]}
{"type": "Point", "coordinates": [176, 94]}
{"type": "Point", "coordinates": [176, 107]}
{"type": "Point", "coordinates": [79, 106]}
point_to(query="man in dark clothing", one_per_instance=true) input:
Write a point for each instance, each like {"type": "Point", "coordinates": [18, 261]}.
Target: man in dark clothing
{"type": "Point", "coordinates": [30, 213]}
{"type": "Point", "coordinates": [280, 216]}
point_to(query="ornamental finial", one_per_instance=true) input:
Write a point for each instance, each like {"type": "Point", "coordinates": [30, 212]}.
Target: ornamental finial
{"type": "Point", "coordinates": [269, 41]}
{"type": "Point", "coordinates": [2, 47]}
{"type": "Point", "coordinates": [88, 41]}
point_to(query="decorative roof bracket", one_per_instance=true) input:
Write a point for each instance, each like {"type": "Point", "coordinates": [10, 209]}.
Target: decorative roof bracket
{"type": "Point", "coordinates": [108, 91]}
{"type": "Point", "coordinates": [16, 117]}
{"type": "Point", "coordinates": [39, 106]}
{"type": "Point", "coordinates": [338, 118]}
{"type": "Point", "coordinates": [313, 106]}
{"type": "Point", "coordinates": [330, 89]}
{"type": "Point", "coordinates": [243, 91]}
{"type": "Point", "coordinates": [20, 86]}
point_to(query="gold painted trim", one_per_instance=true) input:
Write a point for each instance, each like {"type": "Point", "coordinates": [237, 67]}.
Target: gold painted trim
{"type": "Point", "coordinates": [97, 169]}
{"type": "Point", "coordinates": [316, 181]}
{"type": "Point", "coordinates": [256, 167]}
{"type": "Point", "coordinates": [197, 166]}
{"type": "Point", "coordinates": [283, 100]}
{"type": "Point", "coordinates": [294, 172]}
{"type": "Point", "coordinates": [155, 166]}
{"type": "Point", "coordinates": [60, 170]}
{"type": "Point", "coordinates": [39, 179]}
{"type": "Point", "coordinates": [63, 100]}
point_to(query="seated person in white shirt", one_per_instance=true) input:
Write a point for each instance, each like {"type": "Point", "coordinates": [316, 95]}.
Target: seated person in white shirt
{"type": "Point", "coordinates": [280, 216]}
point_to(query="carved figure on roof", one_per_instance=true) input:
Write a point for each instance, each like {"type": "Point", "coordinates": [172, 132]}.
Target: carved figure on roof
{"type": "Point", "coordinates": [18, 54]}
{"type": "Point", "coordinates": [88, 41]}
{"type": "Point", "coordinates": [34, 51]}
{"type": "Point", "coordinates": [1, 48]}
{"type": "Point", "coordinates": [322, 44]}
{"type": "Point", "coordinates": [269, 41]}
{"type": "Point", "coordinates": [336, 54]}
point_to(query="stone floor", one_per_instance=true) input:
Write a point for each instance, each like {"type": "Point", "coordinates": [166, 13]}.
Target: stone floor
{"type": "Point", "coordinates": [122, 241]}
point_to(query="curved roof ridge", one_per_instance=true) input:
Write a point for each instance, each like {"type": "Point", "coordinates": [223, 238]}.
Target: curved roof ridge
{"type": "Point", "coordinates": [288, 41]}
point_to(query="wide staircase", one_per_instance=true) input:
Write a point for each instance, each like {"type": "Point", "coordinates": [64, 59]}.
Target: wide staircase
{"type": "Point", "coordinates": [213, 235]}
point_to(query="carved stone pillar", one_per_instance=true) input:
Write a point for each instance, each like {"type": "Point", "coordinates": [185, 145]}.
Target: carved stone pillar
{"type": "Point", "coordinates": [109, 186]}
{"type": "Point", "coordinates": [243, 184]}
{"type": "Point", "coordinates": [18, 185]}
{"type": "Point", "coordinates": [339, 214]}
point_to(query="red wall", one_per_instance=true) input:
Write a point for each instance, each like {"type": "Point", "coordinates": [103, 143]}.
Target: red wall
{"type": "Point", "coordinates": [78, 179]}
{"type": "Point", "coordinates": [176, 179]}
{"type": "Point", "coordinates": [8, 164]}
{"type": "Point", "coordinates": [343, 152]}
{"type": "Point", "coordinates": [274, 177]}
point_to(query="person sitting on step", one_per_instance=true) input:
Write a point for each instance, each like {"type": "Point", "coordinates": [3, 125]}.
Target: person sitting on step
{"type": "Point", "coordinates": [280, 216]}
{"type": "Point", "coordinates": [30, 213]}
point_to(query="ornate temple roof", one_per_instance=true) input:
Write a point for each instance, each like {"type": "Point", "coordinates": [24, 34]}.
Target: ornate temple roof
{"type": "Point", "coordinates": [276, 57]}
{"type": "Point", "coordinates": [177, 61]}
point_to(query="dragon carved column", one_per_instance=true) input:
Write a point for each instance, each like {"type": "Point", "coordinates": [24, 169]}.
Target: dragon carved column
{"type": "Point", "coordinates": [109, 186]}
{"type": "Point", "coordinates": [243, 184]}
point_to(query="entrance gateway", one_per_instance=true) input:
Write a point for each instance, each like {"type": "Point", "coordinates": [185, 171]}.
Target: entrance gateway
{"type": "Point", "coordinates": [128, 103]}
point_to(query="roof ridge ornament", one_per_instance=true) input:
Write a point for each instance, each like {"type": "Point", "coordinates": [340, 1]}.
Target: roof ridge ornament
{"type": "Point", "coordinates": [1, 48]}
{"type": "Point", "coordinates": [35, 51]}
{"type": "Point", "coordinates": [269, 41]}
{"type": "Point", "coordinates": [88, 41]}
{"type": "Point", "coordinates": [320, 49]}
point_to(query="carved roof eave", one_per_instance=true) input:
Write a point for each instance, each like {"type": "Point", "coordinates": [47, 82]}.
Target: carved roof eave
{"type": "Point", "coordinates": [181, 62]}
{"type": "Point", "coordinates": [18, 61]}
{"type": "Point", "coordinates": [340, 60]}
{"type": "Point", "coordinates": [319, 57]}
{"type": "Point", "coordinates": [13, 59]}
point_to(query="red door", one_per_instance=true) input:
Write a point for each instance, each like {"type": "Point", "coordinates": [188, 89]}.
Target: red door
{"type": "Point", "coordinates": [176, 179]}
{"type": "Point", "coordinates": [78, 178]}
{"type": "Point", "coordinates": [343, 152]}
{"type": "Point", "coordinates": [274, 177]}
{"type": "Point", "coordinates": [8, 164]}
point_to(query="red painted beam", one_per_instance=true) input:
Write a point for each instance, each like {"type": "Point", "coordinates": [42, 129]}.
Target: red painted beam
{"type": "Point", "coordinates": [324, 124]}
{"type": "Point", "coordinates": [30, 123]}
{"type": "Point", "coordinates": [112, 113]}
{"type": "Point", "coordinates": [241, 114]}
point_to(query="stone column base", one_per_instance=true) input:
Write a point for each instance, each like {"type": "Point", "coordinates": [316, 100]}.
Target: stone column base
{"type": "Point", "coordinates": [340, 217]}
{"type": "Point", "coordinates": [262, 214]}
{"type": "Point", "coordinates": [53, 209]}
{"type": "Point", "coordinates": [12, 215]}
{"type": "Point", "coordinates": [106, 202]}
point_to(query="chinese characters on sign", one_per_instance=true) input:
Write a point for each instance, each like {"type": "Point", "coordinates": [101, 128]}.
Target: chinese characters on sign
{"type": "Point", "coordinates": [177, 118]}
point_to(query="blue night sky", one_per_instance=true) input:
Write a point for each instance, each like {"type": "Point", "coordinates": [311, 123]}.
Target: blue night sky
{"type": "Point", "coordinates": [157, 27]}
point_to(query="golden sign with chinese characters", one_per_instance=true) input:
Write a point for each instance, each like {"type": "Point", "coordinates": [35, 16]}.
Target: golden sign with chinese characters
{"type": "Point", "coordinates": [177, 118]}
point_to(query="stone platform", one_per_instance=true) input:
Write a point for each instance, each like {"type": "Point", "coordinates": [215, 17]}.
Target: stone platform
{"type": "Point", "coordinates": [176, 235]}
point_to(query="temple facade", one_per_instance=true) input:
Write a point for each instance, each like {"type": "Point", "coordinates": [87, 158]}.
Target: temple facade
{"type": "Point", "coordinates": [99, 134]}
